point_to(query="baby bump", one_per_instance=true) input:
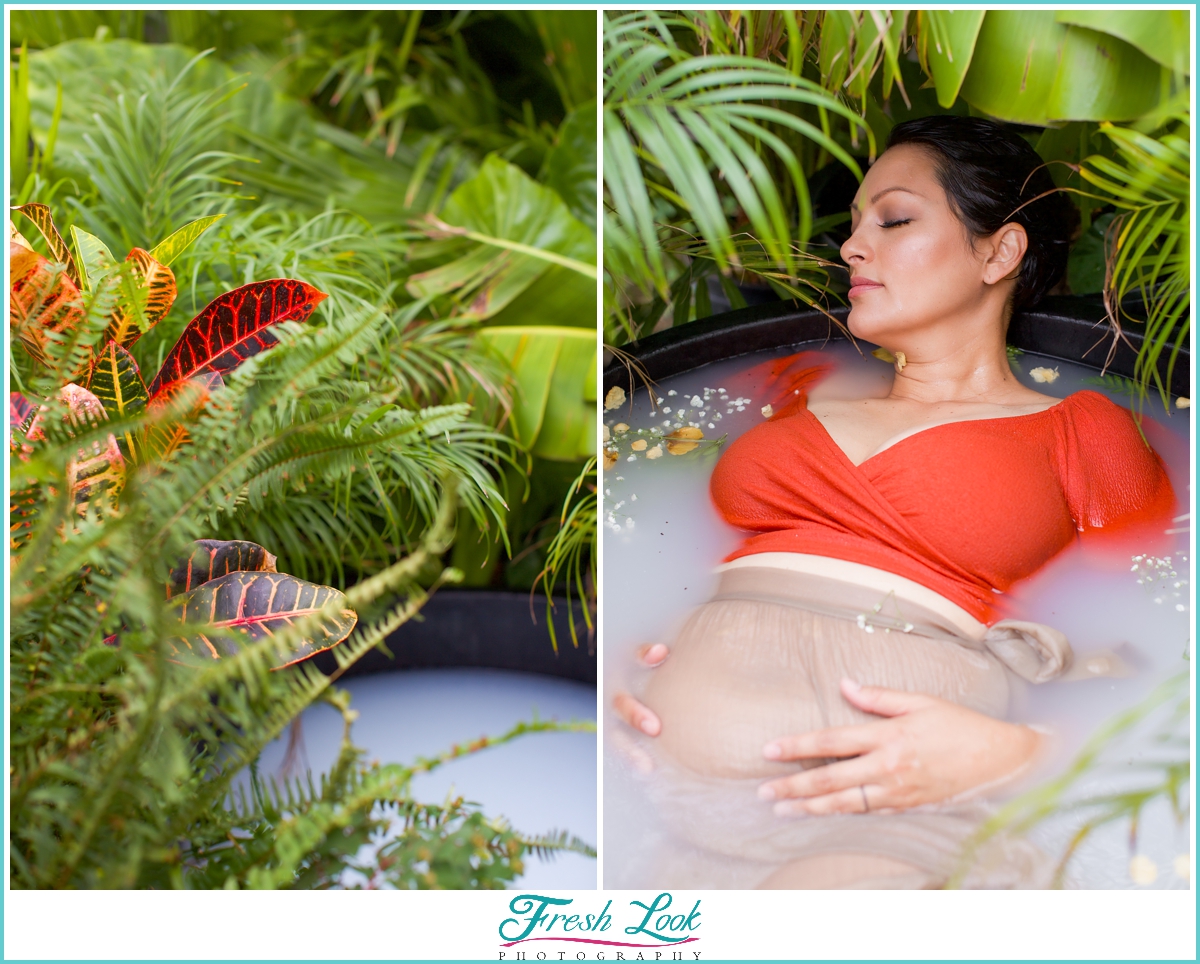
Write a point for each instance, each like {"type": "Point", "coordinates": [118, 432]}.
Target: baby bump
{"type": "Point", "coordinates": [742, 673]}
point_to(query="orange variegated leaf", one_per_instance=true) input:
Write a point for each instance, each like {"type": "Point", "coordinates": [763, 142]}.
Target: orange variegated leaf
{"type": "Point", "coordinates": [171, 411]}
{"type": "Point", "coordinates": [247, 607]}
{"type": "Point", "coordinates": [39, 214]}
{"type": "Point", "coordinates": [97, 469]}
{"type": "Point", "coordinates": [146, 296]}
{"type": "Point", "coordinates": [39, 299]}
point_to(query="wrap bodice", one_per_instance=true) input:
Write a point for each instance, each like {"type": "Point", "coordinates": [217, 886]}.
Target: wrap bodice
{"type": "Point", "coordinates": [964, 508]}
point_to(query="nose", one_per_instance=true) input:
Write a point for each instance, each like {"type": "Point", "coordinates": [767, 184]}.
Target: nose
{"type": "Point", "coordinates": [855, 250]}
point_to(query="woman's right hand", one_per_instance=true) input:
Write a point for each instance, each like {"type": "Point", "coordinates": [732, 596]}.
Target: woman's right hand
{"type": "Point", "coordinates": [636, 714]}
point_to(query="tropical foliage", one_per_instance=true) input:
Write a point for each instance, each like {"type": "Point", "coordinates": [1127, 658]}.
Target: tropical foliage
{"type": "Point", "coordinates": [723, 130]}
{"type": "Point", "coordinates": [145, 139]}
{"type": "Point", "coordinates": [344, 417]}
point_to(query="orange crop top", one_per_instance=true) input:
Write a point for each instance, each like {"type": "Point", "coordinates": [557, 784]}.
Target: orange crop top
{"type": "Point", "coordinates": [964, 508]}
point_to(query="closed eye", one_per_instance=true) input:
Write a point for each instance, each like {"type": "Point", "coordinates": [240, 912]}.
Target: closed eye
{"type": "Point", "coordinates": [896, 223]}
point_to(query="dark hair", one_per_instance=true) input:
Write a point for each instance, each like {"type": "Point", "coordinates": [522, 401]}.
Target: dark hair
{"type": "Point", "coordinates": [991, 175]}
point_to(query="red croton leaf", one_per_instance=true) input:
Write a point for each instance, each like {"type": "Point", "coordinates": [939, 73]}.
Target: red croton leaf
{"type": "Point", "coordinates": [212, 558]}
{"type": "Point", "coordinates": [20, 411]}
{"type": "Point", "coordinates": [250, 606]}
{"type": "Point", "coordinates": [234, 327]}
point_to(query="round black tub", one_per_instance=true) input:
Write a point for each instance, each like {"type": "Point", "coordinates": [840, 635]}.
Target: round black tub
{"type": "Point", "coordinates": [1068, 328]}
{"type": "Point", "coordinates": [482, 629]}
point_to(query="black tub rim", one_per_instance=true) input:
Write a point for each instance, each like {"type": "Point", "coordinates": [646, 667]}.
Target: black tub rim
{"type": "Point", "coordinates": [1065, 328]}
{"type": "Point", "coordinates": [482, 629]}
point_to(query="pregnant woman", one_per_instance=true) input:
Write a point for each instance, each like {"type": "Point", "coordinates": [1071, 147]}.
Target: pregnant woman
{"type": "Point", "coordinates": [836, 715]}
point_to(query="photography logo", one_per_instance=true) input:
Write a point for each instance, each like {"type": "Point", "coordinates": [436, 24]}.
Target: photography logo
{"type": "Point", "coordinates": [554, 929]}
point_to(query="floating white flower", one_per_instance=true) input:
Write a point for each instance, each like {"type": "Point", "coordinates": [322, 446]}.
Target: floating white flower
{"type": "Point", "coordinates": [1142, 870]}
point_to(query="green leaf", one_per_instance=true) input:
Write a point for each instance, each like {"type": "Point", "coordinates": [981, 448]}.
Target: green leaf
{"type": "Point", "coordinates": [1162, 35]}
{"type": "Point", "coordinates": [1085, 265]}
{"type": "Point", "coordinates": [95, 260]}
{"type": "Point", "coordinates": [524, 224]}
{"type": "Point", "coordinates": [570, 167]}
{"type": "Point", "coordinates": [1015, 65]}
{"type": "Point", "coordinates": [554, 402]}
{"type": "Point", "coordinates": [117, 383]}
{"type": "Point", "coordinates": [18, 145]}
{"type": "Point", "coordinates": [1030, 68]}
{"type": "Point", "coordinates": [570, 44]}
{"type": "Point", "coordinates": [1102, 78]}
{"type": "Point", "coordinates": [947, 43]}
{"type": "Point", "coordinates": [569, 425]}
{"type": "Point", "coordinates": [174, 245]}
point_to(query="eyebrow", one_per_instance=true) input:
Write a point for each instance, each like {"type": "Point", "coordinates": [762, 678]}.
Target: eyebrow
{"type": "Point", "coordinates": [889, 190]}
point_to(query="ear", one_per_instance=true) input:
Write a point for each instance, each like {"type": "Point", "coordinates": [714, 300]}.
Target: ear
{"type": "Point", "coordinates": [1004, 252]}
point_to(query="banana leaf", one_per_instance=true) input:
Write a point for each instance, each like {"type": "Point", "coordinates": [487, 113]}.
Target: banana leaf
{"type": "Point", "coordinates": [554, 406]}
{"type": "Point", "coordinates": [511, 231]}
{"type": "Point", "coordinates": [570, 44]}
{"type": "Point", "coordinates": [1162, 35]}
{"type": "Point", "coordinates": [570, 167]}
{"type": "Point", "coordinates": [1029, 67]}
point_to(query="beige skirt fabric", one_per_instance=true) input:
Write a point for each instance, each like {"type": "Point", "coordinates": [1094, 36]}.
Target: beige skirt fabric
{"type": "Point", "coordinates": [757, 662]}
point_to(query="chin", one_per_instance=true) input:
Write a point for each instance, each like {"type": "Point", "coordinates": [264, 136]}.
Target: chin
{"type": "Point", "coordinates": [879, 324]}
{"type": "Point", "coordinates": [867, 324]}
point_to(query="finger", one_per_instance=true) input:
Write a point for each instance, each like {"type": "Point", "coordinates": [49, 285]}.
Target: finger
{"type": "Point", "coordinates": [652, 654]}
{"type": "Point", "coordinates": [882, 701]}
{"type": "Point", "coordinates": [835, 741]}
{"type": "Point", "coordinates": [636, 715]}
{"type": "Point", "coordinates": [822, 780]}
{"type": "Point", "coordinates": [849, 800]}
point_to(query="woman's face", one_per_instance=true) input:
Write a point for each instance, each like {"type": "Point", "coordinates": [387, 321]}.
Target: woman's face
{"type": "Point", "coordinates": [912, 263]}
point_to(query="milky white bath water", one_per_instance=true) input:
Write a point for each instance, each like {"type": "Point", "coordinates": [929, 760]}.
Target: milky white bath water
{"type": "Point", "coordinates": [663, 539]}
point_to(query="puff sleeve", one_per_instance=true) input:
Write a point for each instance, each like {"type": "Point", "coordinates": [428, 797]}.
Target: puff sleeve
{"type": "Point", "coordinates": [1114, 481]}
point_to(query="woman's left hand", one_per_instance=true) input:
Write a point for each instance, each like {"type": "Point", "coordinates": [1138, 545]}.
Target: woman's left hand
{"type": "Point", "coordinates": [925, 750]}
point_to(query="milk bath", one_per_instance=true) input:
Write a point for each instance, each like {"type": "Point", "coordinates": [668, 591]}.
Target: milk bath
{"type": "Point", "coordinates": [663, 539]}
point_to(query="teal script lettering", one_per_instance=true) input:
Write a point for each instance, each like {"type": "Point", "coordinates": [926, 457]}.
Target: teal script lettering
{"type": "Point", "coordinates": [535, 906]}
{"type": "Point", "coordinates": [665, 922]}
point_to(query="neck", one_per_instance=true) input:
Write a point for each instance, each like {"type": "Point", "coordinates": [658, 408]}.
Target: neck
{"type": "Point", "coordinates": [959, 359]}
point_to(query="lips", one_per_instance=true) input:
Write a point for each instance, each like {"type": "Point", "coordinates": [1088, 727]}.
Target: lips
{"type": "Point", "coordinates": [860, 286]}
